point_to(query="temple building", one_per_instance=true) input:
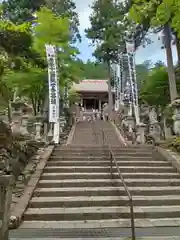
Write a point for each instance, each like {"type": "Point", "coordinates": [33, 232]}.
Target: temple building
{"type": "Point", "coordinates": [93, 93]}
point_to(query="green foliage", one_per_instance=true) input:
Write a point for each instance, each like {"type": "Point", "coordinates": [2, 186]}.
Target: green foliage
{"type": "Point", "coordinates": [174, 144]}
{"type": "Point", "coordinates": [155, 90]}
{"type": "Point", "coordinates": [66, 9]}
{"type": "Point", "coordinates": [93, 70]}
{"type": "Point", "coordinates": [20, 11]}
{"type": "Point", "coordinates": [50, 29]}
{"type": "Point", "coordinates": [107, 29]}
{"type": "Point", "coordinates": [73, 97]}
{"type": "Point", "coordinates": [6, 89]}
{"type": "Point", "coordinates": [142, 72]}
{"type": "Point", "coordinates": [157, 12]}
{"type": "Point", "coordinates": [23, 59]}
{"type": "Point", "coordinates": [15, 39]}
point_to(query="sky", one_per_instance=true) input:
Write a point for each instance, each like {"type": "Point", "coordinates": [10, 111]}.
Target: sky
{"type": "Point", "coordinates": [151, 52]}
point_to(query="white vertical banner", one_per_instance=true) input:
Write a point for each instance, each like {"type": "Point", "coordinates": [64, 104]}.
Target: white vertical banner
{"type": "Point", "coordinates": [53, 90]}
{"type": "Point", "coordinates": [130, 47]}
{"type": "Point", "coordinates": [53, 83]}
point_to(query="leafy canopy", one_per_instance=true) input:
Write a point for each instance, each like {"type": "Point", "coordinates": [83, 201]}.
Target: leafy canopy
{"type": "Point", "coordinates": [66, 9]}
{"type": "Point", "coordinates": [159, 12]}
{"type": "Point", "coordinates": [107, 29]}
{"type": "Point", "coordinates": [50, 29]}
{"type": "Point", "coordinates": [155, 90]}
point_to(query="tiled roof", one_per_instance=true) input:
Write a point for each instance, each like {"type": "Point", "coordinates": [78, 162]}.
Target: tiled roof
{"type": "Point", "coordinates": [91, 85]}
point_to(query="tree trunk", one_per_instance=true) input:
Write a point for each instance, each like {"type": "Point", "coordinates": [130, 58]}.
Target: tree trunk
{"type": "Point", "coordinates": [110, 98]}
{"type": "Point", "coordinates": [170, 68]}
{"type": "Point", "coordinates": [34, 105]}
{"type": "Point", "coordinates": [9, 112]}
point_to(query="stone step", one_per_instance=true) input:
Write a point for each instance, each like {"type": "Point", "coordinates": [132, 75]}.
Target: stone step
{"type": "Point", "coordinates": [94, 238]}
{"type": "Point", "coordinates": [94, 175]}
{"type": "Point", "coordinates": [88, 213]}
{"type": "Point", "coordinates": [88, 162]}
{"type": "Point", "coordinates": [103, 149]}
{"type": "Point", "coordinates": [108, 182]}
{"type": "Point", "coordinates": [98, 201]}
{"type": "Point", "coordinates": [96, 158]}
{"type": "Point", "coordinates": [106, 238]}
{"type": "Point", "coordinates": [97, 154]}
{"type": "Point", "coordinates": [107, 223]}
{"type": "Point", "coordinates": [106, 191]}
{"type": "Point", "coordinates": [97, 146]}
{"type": "Point", "coordinates": [126, 169]}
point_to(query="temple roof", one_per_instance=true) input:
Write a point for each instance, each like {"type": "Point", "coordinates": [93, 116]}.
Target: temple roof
{"type": "Point", "coordinates": [91, 85]}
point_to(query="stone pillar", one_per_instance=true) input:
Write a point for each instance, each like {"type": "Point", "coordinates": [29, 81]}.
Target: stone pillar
{"type": "Point", "coordinates": [50, 133]}
{"type": "Point", "coordinates": [167, 130]}
{"type": "Point", "coordinates": [6, 183]}
{"type": "Point", "coordinates": [24, 124]}
{"type": "Point", "coordinates": [99, 105]}
{"type": "Point", "coordinates": [141, 133]}
{"type": "Point", "coordinates": [84, 105]}
{"type": "Point", "coordinates": [38, 131]}
{"type": "Point", "coordinates": [45, 131]}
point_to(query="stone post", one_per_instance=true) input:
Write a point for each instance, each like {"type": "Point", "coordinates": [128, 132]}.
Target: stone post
{"type": "Point", "coordinates": [50, 133]}
{"type": "Point", "coordinates": [141, 133]}
{"type": "Point", "coordinates": [45, 131]}
{"type": "Point", "coordinates": [38, 131]}
{"type": "Point", "coordinates": [24, 124]}
{"type": "Point", "coordinates": [38, 125]}
{"type": "Point", "coordinates": [6, 183]}
{"type": "Point", "coordinates": [99, 105]}
{"type": "Point", "coordinates": [167, 130]}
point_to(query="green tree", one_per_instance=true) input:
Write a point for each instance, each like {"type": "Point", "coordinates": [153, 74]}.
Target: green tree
{"type": "Point", "coordinates": [53, 29]}
{"type": "Point", "coordinates": [50, 29]}
{"type": "Point", "coordinates": [107, 33]}
{"type": "Point", "coordinates": [93, 70]}
{"type": "Point", "coordinates": [143, 11]}
{"type": "Point", "coordinates": [142, 72]}
{"type": "Point", "coordinates": [31, 83]}
{"type": "Point", "coordinates": [20, 11]}
{"type": "Point", "coordinates": [67, 9]}
{"type": "Point", "coordinates": [30, 77]}
{"type": "Point", "coordinates": [155, 90]}
{"type": "Point", "coordinates": [15, 44]}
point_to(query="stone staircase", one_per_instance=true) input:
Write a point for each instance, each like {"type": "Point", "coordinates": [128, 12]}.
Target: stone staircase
{"type": "Point", "coordinates": [76, 196]}
{"type": "Point", "coordinates": [87, 133]}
